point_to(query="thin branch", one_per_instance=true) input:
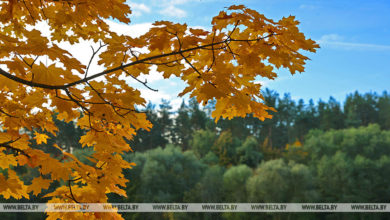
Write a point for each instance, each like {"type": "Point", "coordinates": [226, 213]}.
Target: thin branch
{"type": "Point", "coordinates": [93, 55]}
{"type": "Point", "coordinates": [9, 147]}
{"type": "Point", "coordinates": [165, 63]}
{"type": "Point", "coordinates": [77, 102]}
{"type": "Point", "coordinates": [28, 11]}
{"type": "Point", "coordinates": [43, 11]}
{"type": "Point", "coordinates": [9, 115]}
{"type": "Point", "coordinates": [189, 63]}
{"type": "Point", "coordinates": [234, 29]}
{"type": "Point", "coordinates": [133, 54]}
{"type": "Point", "coordinates": [229, 37]}
{"type": "Point", "coordinates": [88, 174]}
{"type": "Point", "coordinates": [212, 49]}
{"type": "Point", "coordinates": [90, 102]}
{"type": "Point", "coordinates": [83, 108]}
{"type": "Point", "coordinates": [100, 167]}
{"type": "Point", "coordinates": [71, 193]}
{"type": "Point", "coordinates": [124, 57]}
{"type": "Point", "coordinates": [24, 61]}
{"type": "Point", "coordinates": [251, 40]}
{"type": "Point", "coordinates": [90, 124]}
{"type": "Point", "coordinates": [231, 51]}
{"type": "Point", "coordinates": [74, 180]}
{"type": "Point", "coordinates": [143, 83]}
{"type": "Point", "coordinates": [36, 58]}
{"type": "Point", "coordinates": [185, 59]}
{"type": "Point", "coordinates": [104, 100]}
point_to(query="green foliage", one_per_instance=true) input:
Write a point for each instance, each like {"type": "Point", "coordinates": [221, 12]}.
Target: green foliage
{"type": "Point", "coordinates": [165, 174]}
{"type": "Point", "coordinates": [233, 181]}
{"type": "Point", "coordinates": [369, 141]}
{"type": "Point", "coordinates": [182, 130]}
{"type": "Point", "coordinates": [277, 181]}
{"type": "Point", "coordinates": [383, 111]}
{"type": "Point", "coordinates": [68, 134]}
{"type": "Point", "coordinates": [248, 153]}
{"type": "Point", "coordinates": [351, 164]}
{"type": "Point", "coordinates": [361, 110]}
{"type": "Point", "coordinates": [331, 115]}
{"type": "Point", "coordinates": [225, 148]}
{"type": "Point", "coordinates": [146, 140]}
{"type": "Point", "coordinates": [198, 117]}
{"type": "Point", "coordinates": [209, 188]}
{"type": "Point", "coordinates": [202, 141]}
{"type": "Point", "coordinates": [210, 159]}
{"type": "Point", "coordinates": [83, 155]}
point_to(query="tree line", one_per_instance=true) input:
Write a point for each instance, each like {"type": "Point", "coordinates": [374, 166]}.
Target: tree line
{"type": "Point", "coordinates": [290, 123]}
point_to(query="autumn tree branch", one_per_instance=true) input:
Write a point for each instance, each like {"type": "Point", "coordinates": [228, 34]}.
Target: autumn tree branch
{"type": "Point", "coordinates": [121, 67]}
{"type": "Point", "coordinates": [83, 104]}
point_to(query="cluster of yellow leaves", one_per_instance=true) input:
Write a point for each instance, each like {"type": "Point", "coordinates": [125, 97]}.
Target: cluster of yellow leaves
{"type": "Point", "coordinates": [296, 144]}
{"type": "Point", "coordinates": [222, 64]}
{"type": "Point", "coordinates": [296, 150]}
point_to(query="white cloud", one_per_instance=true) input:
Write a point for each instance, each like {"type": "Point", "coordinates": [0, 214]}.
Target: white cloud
{"type": "Point", "coordinates": [153, 75]}
{"type": "Point", "coordinates": [175, 103]}
{"type": "Point", "coordinates": [173, 11]}
{"type": "Point", "coordinates": [156, 97]}
{"type": "Point", "coordinates": [139, 9]}
{"type": "Point", "coordinates": [359, 46]}
{"type": "Point", "coordinates": [263, 83]}
{"type": "Point", "coordinates": [336, 41]}
{"type": "Point", "coordinates": [331, 37]}
{"type": "Point", "coordinates": [135, 30]}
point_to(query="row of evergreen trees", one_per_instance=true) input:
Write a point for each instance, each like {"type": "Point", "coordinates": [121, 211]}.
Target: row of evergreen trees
{"type": "Point", "coordinates": [290, 123]}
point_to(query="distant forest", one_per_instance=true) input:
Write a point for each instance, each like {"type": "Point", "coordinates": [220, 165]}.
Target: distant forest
{"type": "Point", "coordinates": [292, 121]}
{"type": "Point", "coordinates": [308, 152]}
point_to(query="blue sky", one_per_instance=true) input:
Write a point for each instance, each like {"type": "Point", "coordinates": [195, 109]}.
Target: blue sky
{"type": "Point", "coordinates": [354, 37]}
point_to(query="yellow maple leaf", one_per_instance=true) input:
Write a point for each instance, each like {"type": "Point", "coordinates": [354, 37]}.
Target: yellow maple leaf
{"type": "Point", "coordinates": [38, 184]}
{"type": "Point", "coordinates": [7, 160]}
{"type": "Point", "coordinates": [40, 138]}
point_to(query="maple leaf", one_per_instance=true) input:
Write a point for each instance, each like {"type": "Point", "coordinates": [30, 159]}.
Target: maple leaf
{"type": "Point", "coordinates": [38, 184]}
{"type": "Point", "coordinates": [40, 138]}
